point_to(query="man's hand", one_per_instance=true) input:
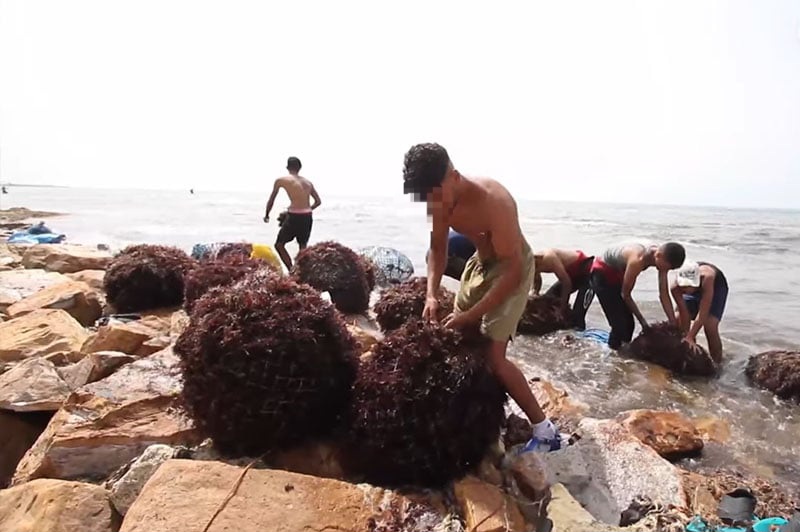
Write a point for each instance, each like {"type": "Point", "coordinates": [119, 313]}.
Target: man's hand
{"type": "Point", "coordinates": [266, 219]}
{"type": "Point", "coordinates": [644, 324]}
{"type": "Point", "coordinates": [431, 310]}
{"type": "Point", "coordinates": [691, 340]}
{"type": "Point", "coordinates": [459, 321]}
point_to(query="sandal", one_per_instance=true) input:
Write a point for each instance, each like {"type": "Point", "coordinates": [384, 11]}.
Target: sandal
{"type": "Point", "coordinates": [737, 508]}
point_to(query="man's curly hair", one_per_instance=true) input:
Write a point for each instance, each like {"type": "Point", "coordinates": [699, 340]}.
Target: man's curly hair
{"type": "Point", "coordinates": [424, 168]}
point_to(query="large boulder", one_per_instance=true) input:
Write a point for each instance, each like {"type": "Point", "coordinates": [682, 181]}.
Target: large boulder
{"type": "Point", "coordinates": [16, 285]}
{"type": "Point", "coordinates": [77, 298]}
{"type": "Point", "coordinates": [486, 508]}
{"type": "Point", "coordinates": [609, 467]}
{"type": "Point", "coordinates": [33, 385]}
{"type": "Point", "coordinates": [663, 344]}
{"type": "Point", "coordinates": [19, 432]}
{"type": "Point", "coordinates": [94, 367]}
{"type": "Point", "coordinates": [56, 506]}
{"type": "Point", "coordinates": [670, 434]}
{"type": "Point", "coordinates": [105, 424]}
{"type": "Point", "coordinates": [776, 371]}
{"type": "Point", "coordinates": [94, 278]}
{"type": "Point", "coordinates": [65, 258]}
{"type": "Point", "coordinates": [40, 333]}
{"type": "Point", "coordinates": [139, 338]}
{"type": "Point", "coordinates": [186, 495]}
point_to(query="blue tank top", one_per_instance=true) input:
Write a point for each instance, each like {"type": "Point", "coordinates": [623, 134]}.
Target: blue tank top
{"type": "Point", "coordinates": [459, 246]}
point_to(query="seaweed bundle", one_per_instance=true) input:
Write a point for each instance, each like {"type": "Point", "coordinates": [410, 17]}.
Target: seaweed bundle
{"type": "Point", "coordinates": [213, 273]}
{"type": "Point", "coordinates": [406, 301]}
{"type": "Point", "coordinates": [776, 371]}
{"type": "Point", "coordinates": [145, 277]}
{"type": "Point", "coordinates": [425, 407]}
{"type": "Point", "coordinates": [336, 269]}
{"type": "Point", "coordinates": [266, 364]}
{"type": "Point", "coordinates": [663, 344]}
{"type": "Point", "coordinates": [542, 315]}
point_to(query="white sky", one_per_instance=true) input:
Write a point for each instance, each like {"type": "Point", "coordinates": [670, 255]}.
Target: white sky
{"type": "Point", "coordinates": [662, 102]}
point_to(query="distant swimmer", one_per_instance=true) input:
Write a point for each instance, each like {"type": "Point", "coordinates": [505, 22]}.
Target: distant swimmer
{"type": "Point", "coordinates": [700, 291]}
{"type": "Point", "coordinates": [459, 250]}
{"type": "Point", "coordinates": [5, 190]}
{"type": "Point", "coordinates": [297, 221]}
{"type": "Point", "coordinates": [191, 191]}
{"type": "Point", "coordinates": [573, 270]}
{"type": "Point", "coordinates": [614, 276]}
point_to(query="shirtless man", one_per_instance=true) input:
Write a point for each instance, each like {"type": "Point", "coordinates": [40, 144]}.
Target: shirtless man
{"type": "Point", "coordinates": [496, 279]}
{"type": "Point", "coordinates": [298, 221]}
{"type": "Point", "coordinates": [700, 291]}
{"type": "Point", "coordinates": [573, 271]}
{"type": "Point", "coordinates": [614, 276]}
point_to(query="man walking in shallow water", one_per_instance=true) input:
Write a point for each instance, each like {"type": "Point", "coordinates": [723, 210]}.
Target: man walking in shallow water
{"type": "Point", "coordinates": [496, 279]}
{"type": "Point", "coordinates": [298, 220]}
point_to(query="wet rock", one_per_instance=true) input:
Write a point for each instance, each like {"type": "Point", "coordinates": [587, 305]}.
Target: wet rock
{"type": "Point", "coordinates": [56, 506]}
{"type": "Point", "coordinates": [93, 367]}
{"type": "Point", "coordinates": [78, 299]}
{"type": "Point", "coordinates": [542, 315]}
{"type": "Point", "coordinates": [663, 344]}
{"type": "Point", "coordinates": [19, 432]}
{"type": "Point", "coordinates": [671, 434]}
{"type": "Point", "coordinates": [123, 491]}
{"type": "Point", "coordinates": [16, 285]}
{"type": "Point", "coordinates": [32, 385]}
{"type": "Point", "coordinates": [105, 424]}
{"type": "Point", "coordinates": [184, 495]}
{"type": "Point", "coordinates": [609, 467]}
{"type": "Point", "coordinates": [486, 508]}
{"type": "Point", "coordinates": [557, 404]}
{"type": "Point", "coordinates": [94, 278]}
{"type": "Point", "coordinates": [65, 258]}
{"type": "Point", "coordinates": [713, 429]}
{"type": "Point", "coordinates": [776, 371]}
{"type": "Point", "coordinates": [40, 333]}
{"type": "Point", "coordinates": [131, 337]}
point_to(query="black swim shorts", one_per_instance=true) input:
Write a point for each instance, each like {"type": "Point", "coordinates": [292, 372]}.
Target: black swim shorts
{"type": "Point", "coordinates": [295, 226]}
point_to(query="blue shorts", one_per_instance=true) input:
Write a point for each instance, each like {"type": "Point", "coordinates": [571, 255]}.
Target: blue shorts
{"type": "Point", "coordinates": [717, 302]}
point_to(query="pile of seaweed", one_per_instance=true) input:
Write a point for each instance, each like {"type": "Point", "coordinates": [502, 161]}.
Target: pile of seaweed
{"type": "Point", "coordinates": [336, 269]}
{"type": "Point", "coordinates": [404, 302]}
{"type": "Point", "coordinates": [543, 315]}
{"type": "Point", "coordinates": [266, 364]}
{"type": "Point", "coordinates": [663, 344]}
{"type": "Point", "coordinates": [425, 407]}
{"type": "Point", "coordinates": [776, 371]}
{"type": "Point", "coordinates": [215, 273]}
{"type": "Point", "coordinates": [145, 277]}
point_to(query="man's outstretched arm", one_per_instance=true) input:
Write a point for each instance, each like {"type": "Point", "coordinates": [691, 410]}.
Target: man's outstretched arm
{"type": "Point", "coordinates": [275, 188]}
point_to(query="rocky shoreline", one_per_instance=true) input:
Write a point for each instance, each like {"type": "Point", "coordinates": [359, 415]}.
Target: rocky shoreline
{"type": "Point", "coordinates": [98, 439]}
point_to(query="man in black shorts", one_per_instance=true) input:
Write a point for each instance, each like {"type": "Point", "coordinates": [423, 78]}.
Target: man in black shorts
{"type": "Point", "coordinates": [296, 222]}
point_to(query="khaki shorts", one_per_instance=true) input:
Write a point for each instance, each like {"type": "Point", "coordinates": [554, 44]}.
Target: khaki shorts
{"type": "Point", "coordinates": [499, 324]}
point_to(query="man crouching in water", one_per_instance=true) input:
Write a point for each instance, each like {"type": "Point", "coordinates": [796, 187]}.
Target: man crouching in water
{"type": "Point", "coordinates": [298, 221]}
{"type": "Point", "coordinates": [572, 268]}
{"type": "Point", "coordinates": [496, 279]}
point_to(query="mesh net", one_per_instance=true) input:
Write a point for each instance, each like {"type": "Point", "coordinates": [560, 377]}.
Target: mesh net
{"type": "Point", "coordinates": [266, 364]}
{"type": "Point", "coordinates": [392, 267]}
{"type": "Point", "coordinates": [425, 407]}
{"type": "Point", "coordinates": [663, 344]}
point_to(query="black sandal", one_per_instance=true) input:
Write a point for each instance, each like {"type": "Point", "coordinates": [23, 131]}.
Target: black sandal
{"type": "Point", "coordinates": [737, 508]}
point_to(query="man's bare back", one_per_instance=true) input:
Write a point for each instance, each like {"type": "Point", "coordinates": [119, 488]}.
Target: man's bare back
{"type": "Point", "coordinates": [487, 213]}
{"type": "Point", "coordinates": [300, 191]}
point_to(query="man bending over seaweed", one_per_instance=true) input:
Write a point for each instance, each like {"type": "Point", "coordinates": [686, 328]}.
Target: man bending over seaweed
{"type": "Point", "coordinates": [496, 279]}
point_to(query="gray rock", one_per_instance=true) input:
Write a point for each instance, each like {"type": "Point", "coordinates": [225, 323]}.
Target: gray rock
{"type": "Point", "coordinates": [125, 490]}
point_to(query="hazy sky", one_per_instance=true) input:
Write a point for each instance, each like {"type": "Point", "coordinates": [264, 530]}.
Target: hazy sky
{"type": "Point", "coordinates": [674, 101]}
